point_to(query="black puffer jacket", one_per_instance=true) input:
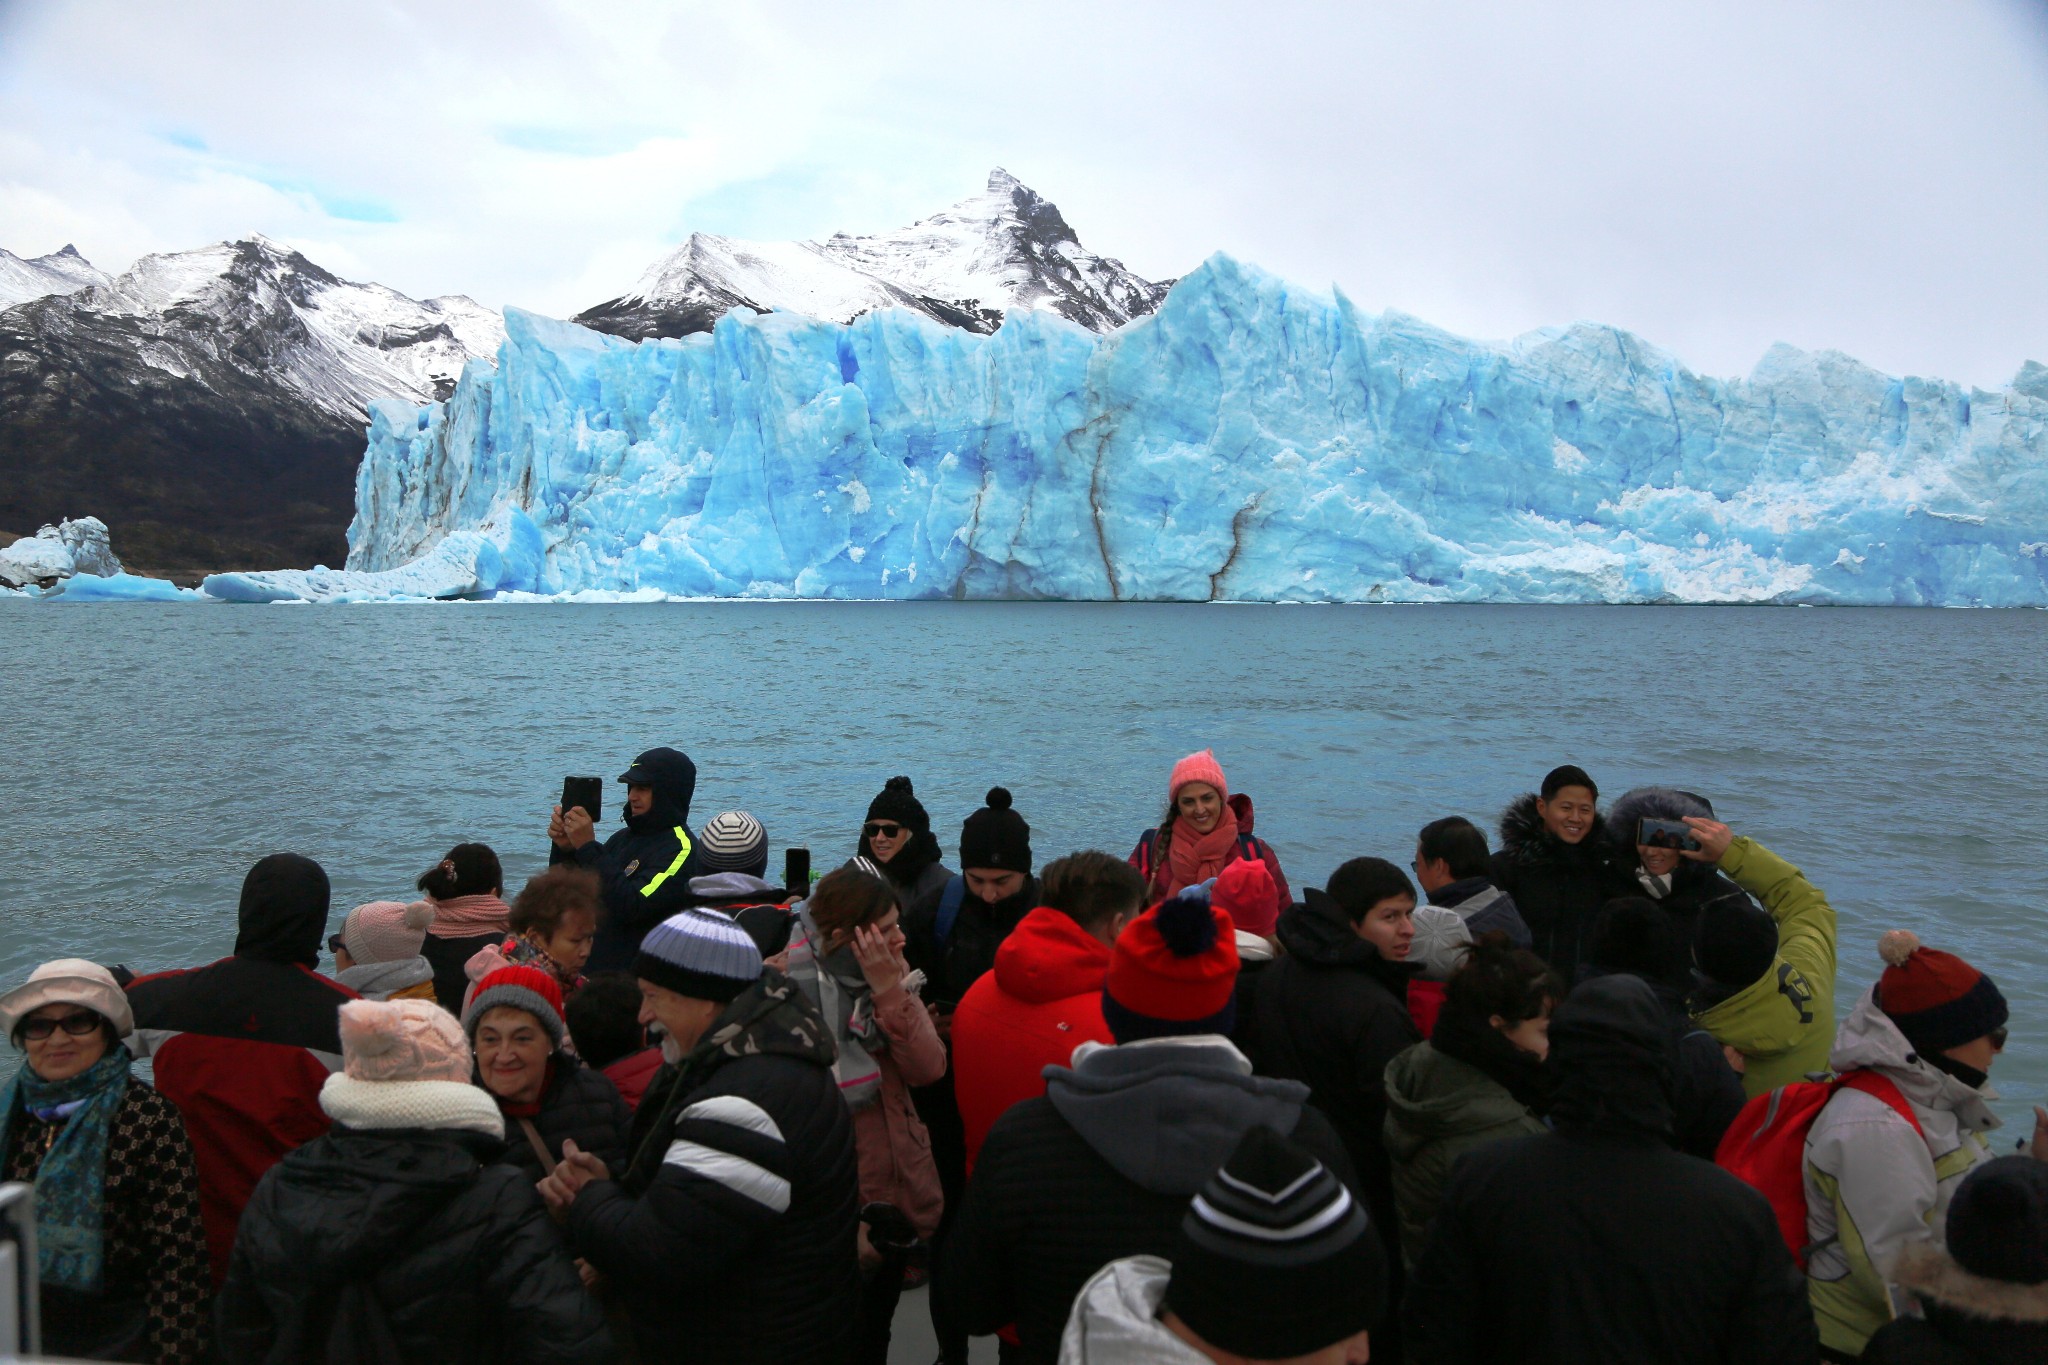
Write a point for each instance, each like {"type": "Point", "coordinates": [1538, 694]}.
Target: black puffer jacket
{"type": "Point", "coordinates": [1558, 887]}
{"type": "Point", "coordinates": [645, 868]}
{"type": "Point", "coordinates": [456, 1250]}
{"type": "Point", "coordinates": [1597, 1242]}
{"type": "Point", "coordinates": [1970, 1319]}
{"type": "Point", "coordinates": [970, 948]}
{"type": "Point", "coordinates": [1694, 886]}
{"type": "Point", "coordinates": [1333, 1012]}
{"type": "Point", "coordinates": [578, 1103]}
{"type": "Point", "coordinates": [1100, 1167]}
{"type": "Point", "coordinates": [731, 1233]}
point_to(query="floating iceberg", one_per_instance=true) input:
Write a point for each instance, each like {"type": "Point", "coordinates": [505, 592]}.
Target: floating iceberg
{"type": "Point", "coordinates": [120, 587]}
{"type": "Point", "coordinates": [79, 546]}
{"type": "Point", "coordinates": [1249, 441]}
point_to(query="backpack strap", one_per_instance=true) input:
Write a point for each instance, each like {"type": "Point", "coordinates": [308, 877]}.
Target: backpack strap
{"type": "Point", "coordinates": [540, 1148]}
{"type": "Point", "coordinates": [1250, 848]}
{"type": "Point", "coordinates": [1881, 1087]}
{"type": "Point", "coordinates": [950, 901]}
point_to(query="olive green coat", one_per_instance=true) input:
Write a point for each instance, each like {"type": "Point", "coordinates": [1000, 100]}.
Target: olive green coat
{"type": "Point", "coordinates": [1438, 1109]}
{"type": "Point", "coordinates": [1783, 1023]}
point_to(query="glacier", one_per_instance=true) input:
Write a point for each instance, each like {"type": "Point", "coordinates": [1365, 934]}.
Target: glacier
{"type": "Point", "coordinates": [1248, 441]}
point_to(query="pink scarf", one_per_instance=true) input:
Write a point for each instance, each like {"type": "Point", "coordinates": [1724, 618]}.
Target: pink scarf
{"type": "Point", "coordinates": [1194, 858]}
{"type": "Point", "coordinates": [469, 916]}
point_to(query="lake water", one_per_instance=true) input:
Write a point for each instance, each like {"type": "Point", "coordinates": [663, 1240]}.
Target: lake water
{"type": "Point", "coordinates": [153, 753]}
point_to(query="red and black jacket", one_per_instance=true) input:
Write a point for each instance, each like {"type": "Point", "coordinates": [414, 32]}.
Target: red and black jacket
{"type": "Point", "coordinates": [242, 1047]}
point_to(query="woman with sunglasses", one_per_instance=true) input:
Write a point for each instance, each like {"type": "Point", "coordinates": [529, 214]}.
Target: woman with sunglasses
{"type": "Point", "coordinates": [119, 1244]}
{"type": "Point", "coordinates": [897, 839]}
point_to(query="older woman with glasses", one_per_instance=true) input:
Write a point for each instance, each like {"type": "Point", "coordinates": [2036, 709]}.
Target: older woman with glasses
{"type": "Point", "coordinates": [119, 1244]}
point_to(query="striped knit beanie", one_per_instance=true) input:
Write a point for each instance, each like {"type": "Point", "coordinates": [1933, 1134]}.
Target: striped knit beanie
{"type": "Point", "coordinates": [701, 954]}
{"type": "Point", "coordinates": [733, 842]}
{"type": "Point", "coordinates": [519, 988]}
{"type": "Point", "coordinates": [1275, 1258]}
{"type": "Point", "coordinates": [1938, 1000]}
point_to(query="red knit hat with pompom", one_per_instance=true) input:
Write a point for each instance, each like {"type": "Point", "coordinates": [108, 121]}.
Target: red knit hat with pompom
{"type": "Point", "coordinates": [1247, 891]}
{"type": "Point", "coordinates": [1173, 971]}
{"type": "Point", "coordinates": [1938, 1000]}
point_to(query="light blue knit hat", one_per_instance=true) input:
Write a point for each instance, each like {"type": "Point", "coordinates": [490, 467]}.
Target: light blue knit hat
{"type": "Point", "coordinates": [699, 953]}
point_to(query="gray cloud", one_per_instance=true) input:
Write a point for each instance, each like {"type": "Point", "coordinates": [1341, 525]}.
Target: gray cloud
{"type": "Point", "coordinates": [1870, 178]}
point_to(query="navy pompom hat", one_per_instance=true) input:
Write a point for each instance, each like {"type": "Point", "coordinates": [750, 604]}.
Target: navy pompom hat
{"type": "Point", "coordinates": [1173, 972]}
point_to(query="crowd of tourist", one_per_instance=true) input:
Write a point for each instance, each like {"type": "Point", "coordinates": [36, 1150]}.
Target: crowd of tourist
{"type": "Point", "coordinates": [1578, 1097]}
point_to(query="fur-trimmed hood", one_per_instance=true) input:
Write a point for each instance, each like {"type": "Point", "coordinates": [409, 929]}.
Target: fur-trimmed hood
{"type": "Point", "coordinates": [1936, 1276]}
{"type": "Point", "coordinates": [1654, 803]}
{"type": "Point", "coordinates": [1525, 839]}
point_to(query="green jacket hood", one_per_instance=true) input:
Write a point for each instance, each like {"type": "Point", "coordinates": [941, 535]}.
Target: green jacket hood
{"type": "Point", "coordinates": [1772, 1014]}
{"type": "Point", "coordinates": [1431, 1096]}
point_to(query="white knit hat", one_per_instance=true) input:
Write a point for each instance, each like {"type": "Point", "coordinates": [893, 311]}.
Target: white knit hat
{"type": "Point", "coordinates": [68, 981]}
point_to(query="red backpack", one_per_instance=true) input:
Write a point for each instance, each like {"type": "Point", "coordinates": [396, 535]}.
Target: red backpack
{"type": "Point", "coordinates": [1766, 1145]}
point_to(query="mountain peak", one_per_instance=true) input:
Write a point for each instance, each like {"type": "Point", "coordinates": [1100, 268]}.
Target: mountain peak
{"type": "Point", "coordinates": [966, 266]}
{"type": "Point", "coordinates": [68, 250]}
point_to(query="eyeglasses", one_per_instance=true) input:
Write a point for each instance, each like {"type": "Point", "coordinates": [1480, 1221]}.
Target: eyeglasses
{"type": "Point", "coordinates": [77, 1025]}
{"type": "Point", "coordinates": [881, 829]}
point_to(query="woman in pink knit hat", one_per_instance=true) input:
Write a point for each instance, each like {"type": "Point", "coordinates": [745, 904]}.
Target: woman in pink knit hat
{"type": "Point", "coordinates": [1206, 828]}
{"type": "Point", "coordinates": [397, 1234]}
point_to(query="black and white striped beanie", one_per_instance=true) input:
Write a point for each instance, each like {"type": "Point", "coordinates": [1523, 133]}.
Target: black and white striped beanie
{"type": "Point", "coordinates": [1275, 1258]}
{"type": "Point", "coordinates": [733, 842]}
{"type": "Point", "coordinates": [699, 953]}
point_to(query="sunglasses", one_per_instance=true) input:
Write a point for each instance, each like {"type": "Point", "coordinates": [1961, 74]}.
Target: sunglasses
{"type": "Point", "coordinates": [1998, 1039]}
{"type": "Point", "coordinates": [879, 829]}
{"type": "Point", "coordinates": [334, 944]}
{"type": "Point", "coordinates": [77, 1025]}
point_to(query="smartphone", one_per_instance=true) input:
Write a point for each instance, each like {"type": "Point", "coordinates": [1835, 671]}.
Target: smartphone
{"type": "Point", "coordinates": [796, 871]}
{"type": "Point", "coordinates": [587, 792]}
{"type": "Point", "coordinates": [1666, 834]}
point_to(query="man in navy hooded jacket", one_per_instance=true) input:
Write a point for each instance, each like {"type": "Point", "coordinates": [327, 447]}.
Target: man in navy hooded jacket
{"type": "Point", "coordinates": [645, 867]}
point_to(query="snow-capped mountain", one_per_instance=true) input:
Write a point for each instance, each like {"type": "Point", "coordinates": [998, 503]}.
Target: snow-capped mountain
{"type": "Point", "coordinates": [334, 343]}
{"type": "Point", "coordinates": [61, 272]}
{"type": "Point", "coordinates": [1006, 248]}
{"type": "Point", "coordinates": [210, 403]}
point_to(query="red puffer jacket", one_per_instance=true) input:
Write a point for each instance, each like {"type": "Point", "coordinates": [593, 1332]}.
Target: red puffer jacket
{"type": "Point", "coordinates": [1043, 1000]}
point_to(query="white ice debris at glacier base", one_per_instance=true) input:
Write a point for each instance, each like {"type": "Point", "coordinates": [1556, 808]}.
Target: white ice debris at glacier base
{"type": "Point", "coordinates": [1250, 441]}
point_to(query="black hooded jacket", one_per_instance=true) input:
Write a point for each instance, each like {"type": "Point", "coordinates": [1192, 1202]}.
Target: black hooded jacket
{"type": "Point", "coordinates": [1694, 886]}
{"type": "Point", "coordinates": [1333, 1012]}
{"type": "Point", "coordinates": [1557, 886]}
{"type": "Point", "coordinates": [1597, 1243]}
{"type": "Point", "coordinates": [242, 1046]}
{"type": "Point", "coordinates": [405, 1244]}
{"type": "Point", "coordinates": [1101, 1167]}
{"type": "Point", "coordinates": [646, 867]}
{"type": "Point", "coordinates": [730, 1233]}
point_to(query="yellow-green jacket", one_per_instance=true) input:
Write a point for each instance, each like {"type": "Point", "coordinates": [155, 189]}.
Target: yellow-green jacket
{"type": "Point", "coordinates": [1784, 1022]}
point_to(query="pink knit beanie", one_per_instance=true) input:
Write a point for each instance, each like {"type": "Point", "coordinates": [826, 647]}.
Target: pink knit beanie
{"type": "Point", "coordinates": [402, 1040]}
{"type": "Point", "coordinates": [386, 931]}
{"type": "Point", "coordinates": [1201, 767]}
{"type": "Point", "coordinates": [1246, 891]}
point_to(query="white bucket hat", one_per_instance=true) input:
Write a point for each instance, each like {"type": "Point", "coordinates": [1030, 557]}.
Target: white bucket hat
{"type": "Point", "coordinates": [68, 981]}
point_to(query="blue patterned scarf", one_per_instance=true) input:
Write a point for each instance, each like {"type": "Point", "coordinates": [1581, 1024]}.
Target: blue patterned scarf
{"type": "Point", "coordinates": [71, 1184]}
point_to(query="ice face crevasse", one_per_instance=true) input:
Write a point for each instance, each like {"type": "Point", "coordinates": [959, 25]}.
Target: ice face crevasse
{"type": "Point", "coordinates": [1248, 441]}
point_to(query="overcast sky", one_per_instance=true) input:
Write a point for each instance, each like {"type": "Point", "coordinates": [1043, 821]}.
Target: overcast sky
{"type": "Point", "coordinates": [1868, 176]}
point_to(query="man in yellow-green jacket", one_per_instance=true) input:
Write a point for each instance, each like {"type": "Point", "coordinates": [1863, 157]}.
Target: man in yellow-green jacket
{"type": "Point", "coordinates": [1781, 1020]}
